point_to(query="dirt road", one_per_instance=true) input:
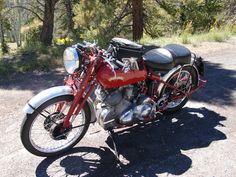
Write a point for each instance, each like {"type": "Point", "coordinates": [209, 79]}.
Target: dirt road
{"type": "Point", "coordinates": [198, 141]}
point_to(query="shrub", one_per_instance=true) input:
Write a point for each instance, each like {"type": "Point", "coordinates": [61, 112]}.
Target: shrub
{"type": "Point", "coordinates": [5, 48]}
{"type": "Point", "coordinates": [185, 38]}
{"type": "Point", "coordinates": [6, 68]}
{"type": "Point", "coordinates": [233, 28]}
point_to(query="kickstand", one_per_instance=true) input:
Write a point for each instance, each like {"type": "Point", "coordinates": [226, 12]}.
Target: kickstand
{"type": "Point", "coordinates": [115, 152]}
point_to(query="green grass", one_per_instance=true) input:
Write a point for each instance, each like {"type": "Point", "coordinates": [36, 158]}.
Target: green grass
{"type": "Point", "coordinates": [32, 58]}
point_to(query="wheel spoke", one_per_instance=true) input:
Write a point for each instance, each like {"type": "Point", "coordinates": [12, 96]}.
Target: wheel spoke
{"type": "Point", "coordinates": [42, 139]}
{"type": "Point", "coordinates": [182, 80]}
{"type": "Point", "coordinates": [47, 111]}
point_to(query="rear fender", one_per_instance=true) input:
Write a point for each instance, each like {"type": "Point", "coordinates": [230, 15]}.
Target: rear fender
{"type": "Point", "coordinates": [50, 93]}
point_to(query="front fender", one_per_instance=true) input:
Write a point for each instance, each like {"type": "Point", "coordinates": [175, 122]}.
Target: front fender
{"type": "Point", "coordinates": [50, 93]}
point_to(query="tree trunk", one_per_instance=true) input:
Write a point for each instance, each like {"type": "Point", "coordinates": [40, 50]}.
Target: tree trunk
{"type": "Point", "coordinates": [137, 7]}
{"type": "Point", "coordinates": [2, 33]}
{"type": "Point", "coordinates": [19, 41]}
{"type": "Point", "coordinates": [69, 16]}
{"type": "Point", "coordinates": [46, 35]}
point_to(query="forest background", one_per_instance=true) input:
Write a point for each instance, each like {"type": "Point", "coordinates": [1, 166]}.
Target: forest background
{"type": "Point", "coordinates": [34, 33]}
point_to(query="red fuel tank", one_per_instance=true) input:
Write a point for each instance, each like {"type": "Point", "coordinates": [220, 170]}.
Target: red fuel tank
{"type": "Point", "coordinates": [108, 79]}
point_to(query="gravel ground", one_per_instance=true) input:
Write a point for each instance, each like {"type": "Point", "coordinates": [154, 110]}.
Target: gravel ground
{"type": "Point", "coordinates": [200, 140]}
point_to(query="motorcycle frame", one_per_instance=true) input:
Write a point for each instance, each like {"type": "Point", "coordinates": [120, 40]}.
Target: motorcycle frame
{"type": "Point", "coordinates": [89, 81]}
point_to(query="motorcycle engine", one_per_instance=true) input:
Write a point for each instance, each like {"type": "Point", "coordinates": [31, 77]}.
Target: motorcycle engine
{"type": "Point", "coordinates": [122, 106]}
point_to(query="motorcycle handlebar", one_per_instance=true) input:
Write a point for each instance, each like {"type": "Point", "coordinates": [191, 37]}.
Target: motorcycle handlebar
{"type": "Point", "coordinates": [84, 45]}
{"type": "Point", "coordinates": [96, 50]}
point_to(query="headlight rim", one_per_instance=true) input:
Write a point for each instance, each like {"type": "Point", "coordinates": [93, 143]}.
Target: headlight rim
{"type": "Point", "coordinates": [71, 59]}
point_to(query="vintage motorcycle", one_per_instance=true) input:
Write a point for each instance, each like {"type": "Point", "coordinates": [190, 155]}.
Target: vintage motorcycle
{"type": "Point", "coordinates": [130, 84]}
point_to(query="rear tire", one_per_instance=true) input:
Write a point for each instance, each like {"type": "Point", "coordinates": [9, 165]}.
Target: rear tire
{"type": "Point", "coordinates": [30, 119]}
{"type": "Point", "coordinates": [171, 80]}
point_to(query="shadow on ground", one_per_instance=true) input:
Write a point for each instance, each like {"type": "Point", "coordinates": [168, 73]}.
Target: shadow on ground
{"type": "Point", "coordinates": [151, 149]}
{"type": "Point", "coordinates": [35, 81]}
{"type": "Point", "coordinates": [220, 87]}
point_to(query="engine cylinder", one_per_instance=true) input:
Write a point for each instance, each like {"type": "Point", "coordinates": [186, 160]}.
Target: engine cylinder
{"type": "Point", "coordinates": [116, 108]}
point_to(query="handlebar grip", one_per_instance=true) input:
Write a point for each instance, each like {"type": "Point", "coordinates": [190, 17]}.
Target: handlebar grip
{"type": "Point", "coordinates": [80, 46]}
{"type": "Point", "coordinates": [86, 43]}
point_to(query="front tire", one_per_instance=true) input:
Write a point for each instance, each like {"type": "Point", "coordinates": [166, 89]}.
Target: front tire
{"type": "Point", "coordinates": [37, 132]}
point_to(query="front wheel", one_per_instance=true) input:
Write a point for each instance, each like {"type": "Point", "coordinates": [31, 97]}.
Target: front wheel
{"type": "Point", "coordinates": [41, 131]}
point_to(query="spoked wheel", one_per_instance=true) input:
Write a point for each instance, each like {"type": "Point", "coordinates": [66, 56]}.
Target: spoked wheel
{"type": "Point", "coordinates": [184, 79]}
{"type": "Point", "coordinates": [42, 132]}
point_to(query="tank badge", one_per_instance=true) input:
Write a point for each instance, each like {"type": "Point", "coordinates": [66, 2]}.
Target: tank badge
{"type": "Point", "coordinates": [116, 78]}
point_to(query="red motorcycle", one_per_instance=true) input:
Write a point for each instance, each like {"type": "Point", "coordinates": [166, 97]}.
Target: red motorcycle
{"type": "Point", "coordinates": [130, 84]}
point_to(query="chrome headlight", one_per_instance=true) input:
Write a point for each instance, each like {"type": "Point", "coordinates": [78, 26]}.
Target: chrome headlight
{"type": "Point", "coordinates": [71, 59]}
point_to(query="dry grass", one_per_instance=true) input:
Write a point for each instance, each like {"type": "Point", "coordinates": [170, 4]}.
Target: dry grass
{"type": "Point", "coordinates": [195, 40]}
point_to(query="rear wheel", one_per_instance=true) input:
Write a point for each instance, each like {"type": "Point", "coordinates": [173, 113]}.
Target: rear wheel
{"type": "Point", "coordinates": [184, 79]}
{"type": "Point", "coordinates": [42, 133]}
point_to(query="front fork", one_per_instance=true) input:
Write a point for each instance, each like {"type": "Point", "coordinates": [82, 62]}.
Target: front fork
{"type": "Point", "coordinates": [79, 97]}
{"type": "Point", "coordinates": [79, 100]}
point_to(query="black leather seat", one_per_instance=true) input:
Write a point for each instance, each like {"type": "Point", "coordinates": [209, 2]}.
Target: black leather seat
{"type": "Point", "coordinates": [180, 54]}
{"type": "Point", "coordinates": [126, 48]}
{"type": "Point", "coordinates": [159, 59]}
{"type": "Point", "coordinates": [126, 43]}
